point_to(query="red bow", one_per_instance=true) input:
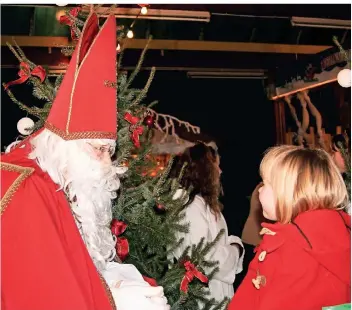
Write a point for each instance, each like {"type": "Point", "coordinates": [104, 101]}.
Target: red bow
{"type": "Point", "coordinates": [25, 73]}
{"type": "Point", "coordinates": [191, 272]}
{"type": "Point", "coordinates": [136, 130]}
{"type": "Point", "coordinates": [122, 247]}
{"type": "Point", "coordinates": [67, 20]}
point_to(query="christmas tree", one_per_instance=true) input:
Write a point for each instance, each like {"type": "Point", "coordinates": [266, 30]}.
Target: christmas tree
{"type": "Point", "coordinates": [146, 216]}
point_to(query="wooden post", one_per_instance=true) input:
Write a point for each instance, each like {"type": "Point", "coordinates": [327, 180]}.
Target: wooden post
{"type": "Point", "coordinates": [280, 122]}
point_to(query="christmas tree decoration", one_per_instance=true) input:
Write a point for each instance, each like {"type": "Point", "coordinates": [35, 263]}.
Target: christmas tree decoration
{"type": "Point", "coordinates": [149, 121]}
{"type": "Point", "coordinates": [159, 208]}
{"type": "Point", "coordinates": [25, 126]}
{"type": "Point", "coordinates": [344, 78]}
{"type": "Point", "coordinates": [122, 246]}
{"type": "Point", "coordinates": [166, 124]}
{"type": "Point", "coordinates": [25, 73]}
{"type": "Point", "coordinates": [69, 20]}
{"type": "Point", "coordinates": [191, 273]}
{"type": "Point", "coordinates": [134, 128]}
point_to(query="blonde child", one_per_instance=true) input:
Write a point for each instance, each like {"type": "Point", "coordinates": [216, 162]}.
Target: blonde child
{"type": "Point", "coordinates": [304, 259]}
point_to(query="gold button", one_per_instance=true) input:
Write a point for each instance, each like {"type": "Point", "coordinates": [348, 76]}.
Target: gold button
{"type": "Point", "coordinates": [266, 231]}
{"type": "Point", "coordinates": [256, 283]}
{"type": "Point", "coordinates": [259, 281]}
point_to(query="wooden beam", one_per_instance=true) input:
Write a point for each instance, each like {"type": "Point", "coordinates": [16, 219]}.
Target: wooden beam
{"type": "Point", "coordinates": [36, 41]}
{"type": "Point", "coordinates": [303, 88]}
{"type": "Point", "coordinates": [226, 46]}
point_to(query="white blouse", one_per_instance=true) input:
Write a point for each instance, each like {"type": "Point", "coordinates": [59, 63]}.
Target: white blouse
{"type": "Point", "coordinates": [204, 224]}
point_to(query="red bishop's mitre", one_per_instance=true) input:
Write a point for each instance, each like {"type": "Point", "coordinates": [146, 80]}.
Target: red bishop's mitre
{"type": "Point", "coordinates": [85, 107]}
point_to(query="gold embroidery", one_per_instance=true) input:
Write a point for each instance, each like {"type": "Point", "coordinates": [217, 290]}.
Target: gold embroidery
{"type": "Point", "coordinates": [80, 135]}
{"type": "Point", "coordinates": [108, 292]}
{"type": "Point", "coordinates": [24, 173]}
{"type": "Point", "coordinates": [110, 84]}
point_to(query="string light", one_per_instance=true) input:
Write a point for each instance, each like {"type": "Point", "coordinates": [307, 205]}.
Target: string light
{"type": "Point", "coordinates": [130, 34]}
{"type": "Point", "coordinates": [59, 14]}
{"type": "Point", "coordinates": [144, 10]}
{"type": "Point", "coordinates": [344, 78]}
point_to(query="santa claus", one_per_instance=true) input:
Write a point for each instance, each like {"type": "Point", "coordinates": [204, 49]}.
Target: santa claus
{"type": "Point", "coordinates": [57, 250]}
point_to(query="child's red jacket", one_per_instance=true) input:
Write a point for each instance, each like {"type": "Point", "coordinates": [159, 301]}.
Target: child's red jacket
{"type": "Point", "coordinates": [303, 265]}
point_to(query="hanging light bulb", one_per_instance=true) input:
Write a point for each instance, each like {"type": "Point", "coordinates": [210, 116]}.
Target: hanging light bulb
{"type": "Point", "coordinates": [59, 14]}
{"type": "Point", "coordinates": [130, 34]}
{"type": "Point", "coordinates": [118, 48]}
{"type": "Point", "coordinates": [344, 78]}
{"type": "Point", "coordinates": [144, 10]}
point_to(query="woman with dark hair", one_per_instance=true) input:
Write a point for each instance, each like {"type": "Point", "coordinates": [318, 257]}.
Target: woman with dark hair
{"type": "Point", "coordinates": [339, 142]}
{"type": "Point", "coordinates": [203, 212]}
{"type": "Point", "coordinates": [341, 154]}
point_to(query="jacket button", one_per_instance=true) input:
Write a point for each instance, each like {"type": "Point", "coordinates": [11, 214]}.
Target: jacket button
{"type": "Point", "coordinates": [267, 231]}
{"type": "Point", "coordinates": [260, 280]}
{"type": "Point", "coordinates": [262, 256]}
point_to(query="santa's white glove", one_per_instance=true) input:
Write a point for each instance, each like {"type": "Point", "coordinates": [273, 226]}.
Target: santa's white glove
{"type": "Point", "coordinates": [131, 295]}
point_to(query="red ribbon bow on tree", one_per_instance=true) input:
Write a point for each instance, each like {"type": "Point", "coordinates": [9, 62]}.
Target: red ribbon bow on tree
{"type": "Point", "coordinates": [25, 73]}
{"type": "Point", "coordinates": [191, 272]}
{"type": "Point", "coordinates": [67, 20]}
{"type": "Point", "coordinates": [136, 130]}
{"type": "Point", "coordinates": [122, 247]}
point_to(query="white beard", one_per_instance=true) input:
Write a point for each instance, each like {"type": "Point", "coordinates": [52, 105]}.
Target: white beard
{"type": "Point", "coordinates": [90, 185]}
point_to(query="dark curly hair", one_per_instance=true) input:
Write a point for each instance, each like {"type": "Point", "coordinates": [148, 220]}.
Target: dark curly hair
{"type": "Point", "coordinates": [200, 174]}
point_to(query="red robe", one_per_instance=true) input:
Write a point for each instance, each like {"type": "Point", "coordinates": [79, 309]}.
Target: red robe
{"type": "Point", "coordinates": [44, 261]}
{"type": "Point", "coordinates": [306, 267]}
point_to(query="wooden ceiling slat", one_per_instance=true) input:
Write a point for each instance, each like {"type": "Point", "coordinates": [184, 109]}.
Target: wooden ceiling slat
{"type": "Point", "coordinates": [36, 41]}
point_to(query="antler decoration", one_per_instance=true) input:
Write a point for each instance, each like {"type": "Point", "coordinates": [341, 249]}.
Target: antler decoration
{"type": "Point", "coordinates": [342, 50]}
{"type": "Point", "coordinates": [300, 133]}
{"type": "Point", "coordinates": [169, 124]}
{"type": "Point", "coordinates": [305, 114]}
{"type": "Point", "coordinates": [318, 118]}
